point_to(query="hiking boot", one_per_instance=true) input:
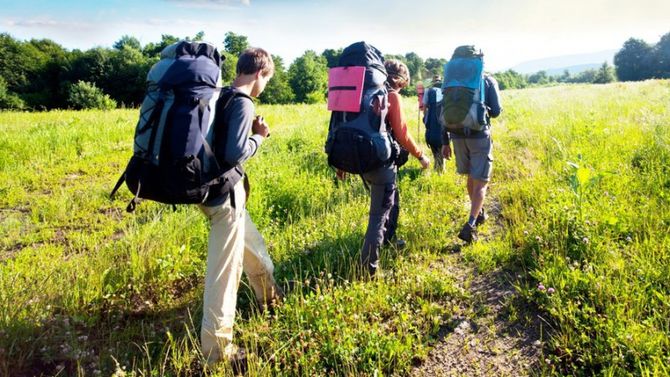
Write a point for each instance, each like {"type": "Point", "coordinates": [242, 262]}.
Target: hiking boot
{"type": "Point", "coordinates": [275, 300]}
{"type": "Point", "coordinates": [398, 243]}
{"type": "Point", "coordinates": [234, 355]}
{"type": "Point", "coordinates": [468, 233]}
{"type": "Point", "coordinates": [238, 361]}
{"type": "Point", "coordinates": [481, 218]}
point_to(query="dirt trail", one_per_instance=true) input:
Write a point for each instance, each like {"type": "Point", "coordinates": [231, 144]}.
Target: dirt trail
{"type": "Point", "coordinates": [493, 335]}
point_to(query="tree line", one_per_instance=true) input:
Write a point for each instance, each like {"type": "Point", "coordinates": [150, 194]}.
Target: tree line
{"type": "Point", "coordinates": [636, 60]}
{"type": "Point", "coordinates": [39, 74]}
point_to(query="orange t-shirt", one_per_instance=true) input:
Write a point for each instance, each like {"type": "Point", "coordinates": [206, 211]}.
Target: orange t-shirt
{"type": "Point", "coordinates": [399, 126]}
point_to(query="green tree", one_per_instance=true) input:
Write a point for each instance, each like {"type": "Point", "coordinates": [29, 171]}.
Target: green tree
{"type": "Point", "coordinates": [604, 75]}
{"type": "Point", "coordinates": [510, 79]}
{"type": "Point", "coordinates": [565, 77]}
{"type": "Point", "coordinates": [434, 66]}
{"type": "Point", "coordinates": [199, 36]}
{"type": "Point", "coordinates": [308, 77]}
{"type": "Point", "coordinates": [9, 100]}
{"type": "Point", "coordinates": [633, 61]}
{"type": "Point", "coordinates": [278, 90]}
{"type": "Point", "coordinates": [125, 79]}
{"type": "Point", "coordinates": [415, 65]}
{"type": "Point", "coordinates": [661, 53]}
{"type": "Point", "coordinates": [11, 64]}
{"type": "Point", "coordinates": [91, 66]}
{"type": "Point", "coordinates": [540, 78]}
{"type": "Point", "coordinates": [228, 67]}
{"type": "Point", "coordinates": [128, 41]}
{"type": "Point", "coordinates": [332, 56]}
{"type": "Point", "coordinates": [235, 43]}
{"type": "Point", "coordinates": [154, 49]}
{"type": "Point", "coordinates": [587, 76]}
{"type": "Point", "coordinates": [84, 95]}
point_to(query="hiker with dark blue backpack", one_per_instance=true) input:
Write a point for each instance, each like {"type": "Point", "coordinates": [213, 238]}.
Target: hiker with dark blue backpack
{"type": "Point", "coordinates": [432, 105]}
{"type": "Point", "coordinates": [190, 142]}
{"type": "Point", "coordinates": [366, 138]}
{"type": "Point", "coordinates": [234, 241]}
{"type": "Point", "coordinates": [470, 99]}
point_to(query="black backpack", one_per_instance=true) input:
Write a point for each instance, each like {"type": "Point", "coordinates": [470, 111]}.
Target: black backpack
{"type": "Point", "coordinates": [359, 142]}
{"type": "Point", "coordinates": [173, 162]}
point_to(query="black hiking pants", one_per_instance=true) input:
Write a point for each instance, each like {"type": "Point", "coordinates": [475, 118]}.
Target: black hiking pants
{"type": "Point", "coordinates": [384, 211]}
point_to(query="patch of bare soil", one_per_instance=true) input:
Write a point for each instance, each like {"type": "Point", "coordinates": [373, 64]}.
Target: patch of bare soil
{"type": "Point", "coordinates": [495, 333]}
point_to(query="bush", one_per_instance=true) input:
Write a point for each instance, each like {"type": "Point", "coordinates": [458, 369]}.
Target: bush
{"type": "Point", "coordinates": [84, 95]}
{"type": "Point", "coordinates": [315, 97]}
{"type": "Point", "coordinates": [9, 100]}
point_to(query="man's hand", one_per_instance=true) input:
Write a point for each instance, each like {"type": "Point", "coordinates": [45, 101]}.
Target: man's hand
{"type": "Point", "coordinates": [425, 162]}
{"type": "Point", "coordinates": [446, 151]}
{"type": "Point", "coordinates": [259, 127]}
{"type": "Point", "coordinates": [341, 174]}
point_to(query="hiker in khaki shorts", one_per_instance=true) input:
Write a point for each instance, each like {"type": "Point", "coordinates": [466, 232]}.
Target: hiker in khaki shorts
{"type": "Point", "coordinates": [473, 148]}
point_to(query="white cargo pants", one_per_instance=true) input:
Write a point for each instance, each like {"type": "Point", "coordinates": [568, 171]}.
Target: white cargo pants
{"type": "Point", "coordinates": [234, 245]}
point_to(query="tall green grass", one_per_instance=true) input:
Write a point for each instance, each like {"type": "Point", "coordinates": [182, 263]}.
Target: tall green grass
{"type": "Point", "coordinates": [583, 184]}
{"type": "Point", "coordinates": [580, 180]}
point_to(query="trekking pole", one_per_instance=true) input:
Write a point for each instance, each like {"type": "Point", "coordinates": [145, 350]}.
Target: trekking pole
{"type": "Point", "coordinates": [419, 94]}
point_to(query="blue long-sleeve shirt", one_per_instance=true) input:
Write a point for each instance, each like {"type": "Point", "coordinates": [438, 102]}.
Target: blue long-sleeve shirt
{"type": "Point", "coordinates": [232, 143]}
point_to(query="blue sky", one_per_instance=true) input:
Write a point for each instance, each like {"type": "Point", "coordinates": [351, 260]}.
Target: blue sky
{"type": "Point", "coordinates": [509, 31]}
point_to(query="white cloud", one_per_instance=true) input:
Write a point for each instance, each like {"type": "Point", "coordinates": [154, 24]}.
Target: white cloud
{"type": "Point", "coordinates": [210, 4]}
{"type": "Point", "coordinates": [46, 23]}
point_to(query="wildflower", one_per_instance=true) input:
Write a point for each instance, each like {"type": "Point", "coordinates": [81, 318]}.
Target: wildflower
{"type": "Point", "coordinates": [551, 290]}
{"type": "Point", "coordinates": [540, 287]}
{"type": "Point", "coordinates": [628, 239]}
{"type": "Point", "coordinates": [585, 240]}
{"type": "Point", "coordinates": [547, 361]}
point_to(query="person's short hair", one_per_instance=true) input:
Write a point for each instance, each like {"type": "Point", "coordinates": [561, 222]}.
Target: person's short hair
{"type": "Point", "coordinates": [398, 73]}
{"type": "Point", "coordinates": [253, 60]}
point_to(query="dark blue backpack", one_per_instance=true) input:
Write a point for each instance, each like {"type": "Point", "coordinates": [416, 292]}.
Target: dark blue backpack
{"type": "Point", "coordinates": [172, 160]}
{"type": "Point", "coordinates": [432, 120]}
{"type": "Point", "coordinates": [359, 142]}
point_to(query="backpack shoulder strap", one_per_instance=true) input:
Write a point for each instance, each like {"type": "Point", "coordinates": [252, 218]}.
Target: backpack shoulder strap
{"type": "Point", "coordinates": [228, 94]}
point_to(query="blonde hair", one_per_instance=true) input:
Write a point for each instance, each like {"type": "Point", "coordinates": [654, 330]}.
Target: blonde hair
{"type": "Point", "coordinates": [398, 74]}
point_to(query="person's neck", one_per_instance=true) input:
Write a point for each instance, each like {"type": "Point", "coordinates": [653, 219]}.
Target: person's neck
{"type": "Point", "coordinates": [244, 83]}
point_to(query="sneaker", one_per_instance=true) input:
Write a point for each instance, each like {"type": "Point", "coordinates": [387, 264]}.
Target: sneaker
{"type": "Point", "coordinates": [481, 218]}
{"type": "Point", "coordinates": [468, 233]}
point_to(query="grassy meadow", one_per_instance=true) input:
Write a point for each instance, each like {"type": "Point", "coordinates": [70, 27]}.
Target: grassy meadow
{"type": "Point", "coordinates": [580, 193]}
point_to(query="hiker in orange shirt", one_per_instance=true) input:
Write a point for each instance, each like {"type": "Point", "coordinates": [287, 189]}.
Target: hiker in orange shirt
{"type": "Point", "coordinates": [384, 197]}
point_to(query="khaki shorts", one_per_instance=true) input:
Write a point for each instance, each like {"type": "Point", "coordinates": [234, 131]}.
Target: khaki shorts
{"type": "Point", "coordinates": [474, 157]}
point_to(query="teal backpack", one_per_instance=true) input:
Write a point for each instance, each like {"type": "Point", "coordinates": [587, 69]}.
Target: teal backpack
{"type": "Point", "coordinates": [463, 88]}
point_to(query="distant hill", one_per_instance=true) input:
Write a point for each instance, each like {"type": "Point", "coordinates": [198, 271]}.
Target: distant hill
{"type": "Point", "coordinates": [573, 63]}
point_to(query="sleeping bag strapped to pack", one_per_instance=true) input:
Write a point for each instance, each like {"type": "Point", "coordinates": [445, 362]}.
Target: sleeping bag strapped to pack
{"type": "Point", "coordinates": [358, 140]}
{"type": "Point", "coordinates": [172, 160]}
{"type": "Point", "coordinates": [463, 90]}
